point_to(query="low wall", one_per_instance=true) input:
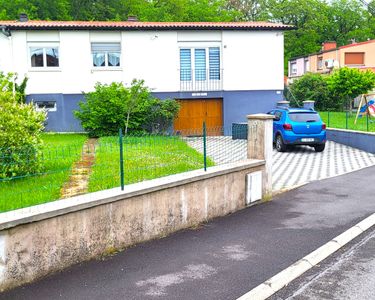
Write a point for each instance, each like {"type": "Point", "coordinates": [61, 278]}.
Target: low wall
{"type": "Point", "coordinates": [46, 238]}
{"type": "Point", "coordinates": [357, 139]}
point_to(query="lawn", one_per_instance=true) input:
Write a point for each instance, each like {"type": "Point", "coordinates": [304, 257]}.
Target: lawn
{"type": "Point", "coordinates": [144, 158]}
{"type": "Point", "coordinates": [338, 120]}
{"type": "Point", "coordinates": [59, 153]}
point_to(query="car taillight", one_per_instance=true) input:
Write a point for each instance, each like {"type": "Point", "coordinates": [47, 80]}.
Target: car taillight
{"type": "Point", "coordinates": [287, 126]}
{"type": "Point", "coordinates": [324, 126]}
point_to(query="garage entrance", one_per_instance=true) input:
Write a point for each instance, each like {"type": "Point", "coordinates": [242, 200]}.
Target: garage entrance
{"type": "Point", "coordinates": [194, 112]}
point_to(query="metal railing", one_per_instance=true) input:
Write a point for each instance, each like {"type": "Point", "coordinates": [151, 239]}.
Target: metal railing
{"type": "Point", "coordinates": [201, 80]}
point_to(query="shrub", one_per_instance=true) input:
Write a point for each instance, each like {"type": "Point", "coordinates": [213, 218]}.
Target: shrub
{"type": "Point", "coordinates": [313, 87]}
{"type": "Point", "coordinates": [8, 83]}
{"type": "Point", "coordinates": [20, 137]}
{"type": "Point", "coordinates": [133, 109]}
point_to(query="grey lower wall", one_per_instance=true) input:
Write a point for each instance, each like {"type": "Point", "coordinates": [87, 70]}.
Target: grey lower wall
{"type": "Point", "coordinates": [236, 105]}
{"type": "Point", "coordinates": [46, 238]}
{"type": "Point", "coordinates": [357, 139]}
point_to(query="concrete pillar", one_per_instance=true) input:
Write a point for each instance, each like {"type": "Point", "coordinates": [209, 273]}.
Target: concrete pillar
{"type": "Point", "coordinates": [260, 146]}
{"type": "Point", "coordinates": [308, 104]}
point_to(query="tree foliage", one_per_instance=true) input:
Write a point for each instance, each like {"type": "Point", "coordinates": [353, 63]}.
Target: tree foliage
{"type": "Point", "coordinates": [20, 133]}
{"type": "Point", "coordinates": [114, 106]}
{"type": "Point", "coordinates": [334, 91]}
{"type": "Point", "coordinates": [347, 83]}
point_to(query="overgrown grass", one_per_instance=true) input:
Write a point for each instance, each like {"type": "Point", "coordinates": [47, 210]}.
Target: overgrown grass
{"type": "Point", "coordinates": [338, 120]}
{"type": "Point", "coordinates": [145, 158]}
{"type": "Point", "coordinates": [59, 153]}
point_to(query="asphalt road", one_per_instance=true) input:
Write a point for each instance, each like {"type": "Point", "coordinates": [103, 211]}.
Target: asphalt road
{"type": "Point", "coordinates": [348, 274]}
{"type": "Point", "coordinates": [224, 258]}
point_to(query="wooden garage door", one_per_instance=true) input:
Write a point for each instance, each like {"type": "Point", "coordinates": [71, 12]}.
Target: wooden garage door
{"type": "Point", "coordinates": [193, 113]}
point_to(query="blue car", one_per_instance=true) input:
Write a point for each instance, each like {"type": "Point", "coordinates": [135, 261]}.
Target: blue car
{"type": "Point", "coordinates": [298, 126]}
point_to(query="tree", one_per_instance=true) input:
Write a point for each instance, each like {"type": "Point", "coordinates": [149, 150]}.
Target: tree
{"type": "Point", "coordinates": [347, 83]}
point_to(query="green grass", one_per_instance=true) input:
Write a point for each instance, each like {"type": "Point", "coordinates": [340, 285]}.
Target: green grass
{"type": "Point", "coordinates": [338, 120]}
{"type": "Point", "coordinates": [59, 153]}
{"type": "Point", "coordinates": [144, 158]}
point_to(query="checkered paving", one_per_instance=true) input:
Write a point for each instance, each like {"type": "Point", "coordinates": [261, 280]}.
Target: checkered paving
{"type": "Point", "coordinates": [298, 166]}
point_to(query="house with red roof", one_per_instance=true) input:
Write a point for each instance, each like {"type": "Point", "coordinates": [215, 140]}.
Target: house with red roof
{"type": "Point", "coordinates": [220, 72]}
{"type": "Point", "coordinates": [355, 55]}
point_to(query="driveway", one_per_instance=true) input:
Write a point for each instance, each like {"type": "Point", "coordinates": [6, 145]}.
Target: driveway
{"type": "Point", "coordinates": [296, 167]}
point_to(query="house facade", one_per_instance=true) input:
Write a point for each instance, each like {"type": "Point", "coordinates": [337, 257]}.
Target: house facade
{"type": "Point", "coordinates": [355, 55]}
{"type": "Point", "coordinates": [220, 72]}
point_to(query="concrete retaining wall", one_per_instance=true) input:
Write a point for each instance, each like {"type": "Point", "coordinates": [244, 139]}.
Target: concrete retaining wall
{"type": "Point", "coordinates": [46, 238]}
{"type": "Point", "coordinates": [357, 139]}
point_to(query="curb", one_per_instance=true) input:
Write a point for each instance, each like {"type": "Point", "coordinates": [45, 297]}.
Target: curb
{"type": "Point", "coordinates": [283, 278]}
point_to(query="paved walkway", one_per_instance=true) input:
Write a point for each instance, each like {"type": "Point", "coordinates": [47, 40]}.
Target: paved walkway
{"type": "Point", "coordinates": [298, 166]}
{"type": "Point", "coordinates": [224, 258]}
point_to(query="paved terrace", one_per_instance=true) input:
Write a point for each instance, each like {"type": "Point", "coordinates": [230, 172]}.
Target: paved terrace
{"type": "Point", "coordinates": [298, 166]}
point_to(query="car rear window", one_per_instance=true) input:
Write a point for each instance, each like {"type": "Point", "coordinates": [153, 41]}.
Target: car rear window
{"type": "Point", "coordinates": [304, 117]}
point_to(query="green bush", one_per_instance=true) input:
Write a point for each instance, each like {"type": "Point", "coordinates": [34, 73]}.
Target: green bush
{"type": "Point", "coordinates": [311, 86]}
{"type": "Point", "coordinates": [347, 83]}
{"type": "Point", "coordinates": [8, 83]}
{"type": "Point", "coordinates": [20, 137]}
{"type": "Point", "coordinates": [113, 106]}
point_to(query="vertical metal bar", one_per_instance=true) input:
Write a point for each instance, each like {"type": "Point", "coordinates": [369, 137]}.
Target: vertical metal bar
{"type": "Point", "coordinates": [204, 146]}
{"type": "Point", "coordinates": [346, 124]}
{"type": "Point", "coordinates": [121, 160]}
{"type": "Point", "coordinates": [328, 119]}
{"type": "Point", "coordinates": [367, 127]}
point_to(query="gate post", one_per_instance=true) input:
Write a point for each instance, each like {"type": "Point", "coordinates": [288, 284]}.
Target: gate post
{"type": "Point", "coordinates": [260, 146]}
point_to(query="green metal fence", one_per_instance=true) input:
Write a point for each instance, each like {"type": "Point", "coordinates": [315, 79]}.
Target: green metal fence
{"type": "Point", "coordinates": [346, 120]}
{"type": "Point", "coordinates": [108, 162]}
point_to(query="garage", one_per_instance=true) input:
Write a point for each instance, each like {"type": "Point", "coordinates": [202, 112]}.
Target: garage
{"type": "Point", "coordinates": [193, 112]}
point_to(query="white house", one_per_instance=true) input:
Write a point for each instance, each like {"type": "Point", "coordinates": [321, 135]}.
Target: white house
{"type": "Point", "coordinates": [219, 71]}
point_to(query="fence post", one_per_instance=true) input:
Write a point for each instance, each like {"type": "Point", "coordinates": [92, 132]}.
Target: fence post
{"type": "Point", "coordinates": [204, 146]}
{"type": "Point", "coordinates": [260, 146]}
{"type": "Point", "coordinates": [121, 160]}
{"type": "Point", "coordinates": [328, 119]}
{"type": "Point", "coordinates": [346, 123]}
{"type": "Point", "coordinates": [367, 127]}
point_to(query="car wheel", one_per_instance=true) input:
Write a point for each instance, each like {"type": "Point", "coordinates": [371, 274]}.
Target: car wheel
{"type": "Point", "coordinates": [280, 146]}
{"type": "Point", "coordinates": [319, 148]}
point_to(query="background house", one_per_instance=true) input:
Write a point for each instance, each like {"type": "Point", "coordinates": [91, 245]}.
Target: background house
{"type": "Point", "coordinates": [355, 55]}
{"type": "Point", "coordinates": [219, 71]}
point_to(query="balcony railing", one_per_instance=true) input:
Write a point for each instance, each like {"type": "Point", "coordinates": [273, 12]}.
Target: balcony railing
{"type": "Point", "coordinates": [201, 80]}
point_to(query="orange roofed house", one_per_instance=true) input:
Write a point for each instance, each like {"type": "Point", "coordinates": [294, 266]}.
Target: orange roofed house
{"type": "Point", "coordinates": [355, 55]}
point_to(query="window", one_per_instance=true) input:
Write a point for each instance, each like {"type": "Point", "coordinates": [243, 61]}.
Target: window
{"type": "Point", "coordinates": [320, 62]}
{"type": "Point", "coordinates": [306, 66]}
{"type": "Point", "coordinates": [45, 105]}
{"type": "Point", "coordinates": [355, 58]}
{"type": "Point", "coordinates": [106, 54]}
{"type": "Point", "coordinates": [44, 57]}
{"type": "Point", "coordinates": [304, 117]}
{"type": "Point", "coordinates": [204, 60]}
{"type": "Point", "coordinates": [293, 68]}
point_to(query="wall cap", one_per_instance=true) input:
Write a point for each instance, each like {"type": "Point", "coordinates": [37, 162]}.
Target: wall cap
{"type": "Point", "coordinates": [351, 131]}
{"type": "Point", "coordinates": [260, 117]}
{"type": "Point", "coordinates": [60, 207]}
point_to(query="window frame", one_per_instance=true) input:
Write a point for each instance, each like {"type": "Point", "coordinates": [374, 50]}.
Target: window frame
{"type": "Point", "coordinates": [44, 46]}
{"type": "Point", "coordinates": [37, 108]}
{"type": "Point", "coordinates": [293, 63]}
{"type": "Point", "coordinates": [208, 69]}
{"type": "Point", "coordinates": [106, 56]}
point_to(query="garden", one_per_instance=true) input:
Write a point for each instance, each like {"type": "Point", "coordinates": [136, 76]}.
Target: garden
{"type": "Point", "coordinates": [334, 96]}
{"type": "Point", "coordinates": [38, 167]}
